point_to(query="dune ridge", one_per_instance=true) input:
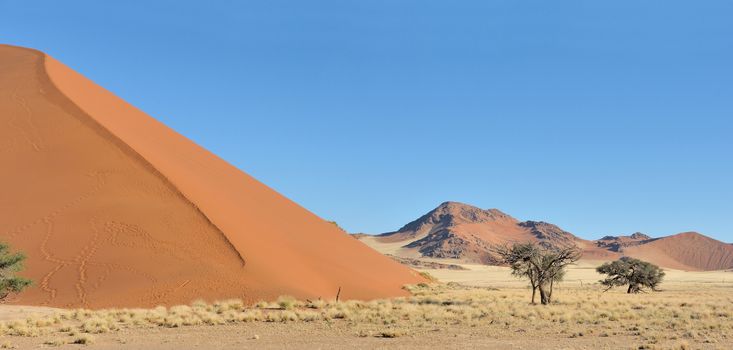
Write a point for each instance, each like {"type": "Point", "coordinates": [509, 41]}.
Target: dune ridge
{"type": "Point", "coordinates": [52, 69]}
{"type": "Point", "coordinates": [115, 209]}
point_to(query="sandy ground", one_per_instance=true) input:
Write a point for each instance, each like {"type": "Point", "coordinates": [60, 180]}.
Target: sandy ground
{"type": "Point", "coordinates": [337, 334]}
{"type": "Point", "coordinates": [18, 312]}
{"type": "Point", "coordinates": [316, 336]}
{"type": "Point", "coordinates": [581, 273]}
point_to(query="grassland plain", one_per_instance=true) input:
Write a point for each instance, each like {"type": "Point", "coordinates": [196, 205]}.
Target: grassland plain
{"type": "Point", "coordinates": [694, 310]}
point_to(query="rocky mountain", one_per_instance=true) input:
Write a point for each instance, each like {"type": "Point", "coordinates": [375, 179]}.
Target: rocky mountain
{"type": "Point", "coordinates": [460, 231]}
{"type": "Point", "coordinates": [617, 243]}
{"type": "Point", "coordinates": [466, 233]}
{"type": "Point", "coordinates": [457, 231]}
{"type": "Point", "coordinates": [548, 234]}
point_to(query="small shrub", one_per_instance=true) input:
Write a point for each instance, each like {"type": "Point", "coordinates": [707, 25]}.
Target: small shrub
{"type": "Point", "coordinates": [308, 316]}
{"type": "Point", "coordinates": [97, 325]}
{"type": "Point", "coordinates": [316, 304]}
{"type": "Point", "coordinates": [10, 263]}
{"type": "Point", "coordinates": [54, 342]}
{"type": "Point", "coordinates": [286, 302]}
{"type": "Point", "coordinates": [84, 339]}
{"type": "Point", "coordinates": [430, 278]}
{"type": "Point", "coordinates": [284, 316]}
{"type": "Point", "coordinates": [391, 333]}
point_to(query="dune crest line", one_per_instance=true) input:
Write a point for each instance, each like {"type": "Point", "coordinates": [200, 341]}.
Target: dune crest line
{"type": "Point", "coordinates": [99, 127]}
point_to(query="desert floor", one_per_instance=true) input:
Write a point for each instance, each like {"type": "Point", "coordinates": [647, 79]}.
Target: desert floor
{"type": "Point", "coordinates": [481, 307]}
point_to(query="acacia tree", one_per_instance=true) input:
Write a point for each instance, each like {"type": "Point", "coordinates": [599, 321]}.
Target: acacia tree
{"type": "Point", "coordinates": [555, 262]}
{"type": "Point", "coordinates": [10, 263]}
{"type": "Point", "coordinates": [633, 272]}
{"type": "Point", "coordinates": [542, 266]}
{"type": "Point", "coordinates": [518, 257]}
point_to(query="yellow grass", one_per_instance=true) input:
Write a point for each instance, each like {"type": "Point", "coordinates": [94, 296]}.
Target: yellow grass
{"type": "Point", "coordinates": [683, 313]}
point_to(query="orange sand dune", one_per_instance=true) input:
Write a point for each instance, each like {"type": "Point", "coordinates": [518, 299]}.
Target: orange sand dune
{"type": "Point", "coordinates": [685, 251]}
{"type": "Point", "coordinates": [115, 209]}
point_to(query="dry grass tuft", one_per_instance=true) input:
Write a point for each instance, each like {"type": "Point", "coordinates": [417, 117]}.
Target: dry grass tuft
{"type": "Point", "coordinates": [83, 339]}
{"type": "Point", "coordinates": [392, 333]}
{"type": "Point", "coordinates": [671, 319]}
{"type": "Point", "coordinates": [54, 342]}
{"type": "Point", "coordinates": [286, 302]}
{"type": "Point", "coordinates": [430, 278]}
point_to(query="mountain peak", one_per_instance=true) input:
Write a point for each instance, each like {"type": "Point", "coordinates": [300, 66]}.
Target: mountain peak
{"type": "Point", "coordinates": [636, 236]}
{"type": "Point", "coordinates": [639, 236]}
{"type": "Point", "coordinates": [450, 213]}
{"type": "Point", "coordinates": [462, 208]}
{"type": "Point", "coordinates": [549, 233]}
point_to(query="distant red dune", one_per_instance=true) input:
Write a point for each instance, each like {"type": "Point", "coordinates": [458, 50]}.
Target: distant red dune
{"type": "Point", "coordinates": [685, 251]}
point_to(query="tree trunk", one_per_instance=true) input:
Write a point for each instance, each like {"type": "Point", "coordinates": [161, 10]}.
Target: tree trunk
{"type": "Point", "coordinates": [534, 291]}
{"type": "Point", "coordinates": [549, 295]}
{"type": "Point", "coordinates": [543, 296]}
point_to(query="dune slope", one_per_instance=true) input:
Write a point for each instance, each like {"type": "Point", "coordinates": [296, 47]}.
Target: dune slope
{"type": "Point", "coordinates": [115, 209]}
{"type": "Point", "coordinates": [685, 251]}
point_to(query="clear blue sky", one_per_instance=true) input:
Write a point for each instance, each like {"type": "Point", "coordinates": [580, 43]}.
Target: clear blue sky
{"type": "Point", "coordinates": [602, 117]}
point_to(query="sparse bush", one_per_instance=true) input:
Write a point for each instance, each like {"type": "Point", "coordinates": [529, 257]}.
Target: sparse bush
{"type": "Point", "coordinates": [23, 329]}
{"type": "Point", "coordinates": [284, 316]}
{"type": "Point", "coordinates": [10, 263]}
{"type": "Point", "coordinates": [430, 278]}
{"type": "Point", "coordinates": [54, 342]}
{"type": "Point", "coordinates": [336, 314]}
{"type": "Point", "coordinates": [392, 333]}
{"type": "Point", "coordinates": [262, 304]}
{"type": "Point", "coordinates": [315, 304]}
{"type": "Point", "coordinates": [231, 304]}
{"type": "Point", "coordinates": [664, 321]}
{"type": "Point", "coordinates": [635, 273]}
{"type": "Point", "coordinates": [84, 339]}
{"type": "Point", "coordinates": [250, 316]}
{"type": "Point", "coordinates": [97, 325]}
{"type": "Point", "coordinates": [308, 316]}
{"type": "Point", "coordinates": [286, 302]}
{"type": "Point", "coordinates": [542, 266]}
